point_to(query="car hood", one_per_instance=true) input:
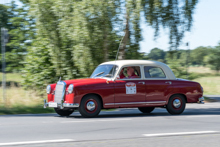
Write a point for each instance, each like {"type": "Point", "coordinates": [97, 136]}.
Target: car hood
{"type": "Point", "coordinates": [85, 81]}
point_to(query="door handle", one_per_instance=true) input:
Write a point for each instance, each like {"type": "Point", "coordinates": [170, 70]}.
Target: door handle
{"type": "Point", "coordinates": [168, 82]}
{"type": "Point", "coordinates": [141, 82]}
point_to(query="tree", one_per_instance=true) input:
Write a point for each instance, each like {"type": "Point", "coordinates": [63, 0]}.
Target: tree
{"type": "Point", "coordinates": [176, 15]}
{"type": "Point", "coordinates": [75, 36]}
{"type": "Point", "coordinates": [4, 19]}
{"type": "Point", "coordinates": [198, 55]}
{"type": "Point", "coordinates": [157, 54]}
{"type": "Point", "coordinates": [213, 59]}
{"type": "Point", "coordinates": [78, 35]}
{"type": "Point", "coordinates": [22, 32]}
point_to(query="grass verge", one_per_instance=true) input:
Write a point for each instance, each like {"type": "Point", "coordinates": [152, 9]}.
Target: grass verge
{"type": "Point", "coordinates": [211, 85]}
{"type": "Point", "coordinates": [25, 110]}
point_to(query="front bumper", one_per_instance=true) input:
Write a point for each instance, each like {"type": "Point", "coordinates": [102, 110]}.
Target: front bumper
{"type": "Point", "coordinates": [60, 105]}
{"type": "Point", "coordinates": [201, 100]}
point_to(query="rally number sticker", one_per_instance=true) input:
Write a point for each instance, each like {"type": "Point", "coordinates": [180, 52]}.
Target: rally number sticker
{"type": "Point", "coordinates": [130, 88]}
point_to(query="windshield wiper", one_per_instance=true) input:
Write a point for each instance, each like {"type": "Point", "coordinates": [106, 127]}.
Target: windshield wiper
{"type": "Point", "coordinates": [98, 74]}
{"type": "Point", "coordinates": [108, 75]}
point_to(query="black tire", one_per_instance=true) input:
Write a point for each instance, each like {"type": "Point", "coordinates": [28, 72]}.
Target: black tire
{"type": "Point", "coordinates": [146, 109]}
{"type": "Point", "coordinates": [90, 106]}
{"type": "Point", "coordinates": [62, 112]}
{"type": "Point", "coordinates": [177, 107]}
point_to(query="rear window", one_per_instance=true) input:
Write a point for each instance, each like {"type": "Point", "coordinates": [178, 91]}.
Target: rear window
{"type": "Point", "coordinates": [153, 72]}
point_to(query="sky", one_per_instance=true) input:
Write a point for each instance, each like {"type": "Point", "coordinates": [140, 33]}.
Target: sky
{"type": "Point", "coordinates": [204, 32]}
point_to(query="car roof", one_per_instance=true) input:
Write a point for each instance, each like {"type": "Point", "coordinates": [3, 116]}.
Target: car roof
{"type": "Point", "coordinates": [129, 62]}
{"type": "Point", "coordinates": [165, 68]}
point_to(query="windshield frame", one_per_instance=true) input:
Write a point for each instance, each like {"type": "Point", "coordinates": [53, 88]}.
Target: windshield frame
{"type": "Point", "coordinates": [116, 68]}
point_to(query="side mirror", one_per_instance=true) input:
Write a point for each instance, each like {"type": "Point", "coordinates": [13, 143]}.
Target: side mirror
{"type": "Point", "coordinates": [117, 77]}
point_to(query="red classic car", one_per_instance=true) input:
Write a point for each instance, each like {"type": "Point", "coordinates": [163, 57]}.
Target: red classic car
{"type": "Point", "coordinates": [124, 84]}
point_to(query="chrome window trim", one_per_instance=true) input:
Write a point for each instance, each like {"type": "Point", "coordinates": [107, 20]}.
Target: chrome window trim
{"type": "Point", "coordinates": [130, 103]}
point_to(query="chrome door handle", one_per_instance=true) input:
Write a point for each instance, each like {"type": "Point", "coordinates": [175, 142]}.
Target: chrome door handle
{"type": "Point", "coordinates": [168, 82]}
{"type": "Point", "coordinates": [142, 82]}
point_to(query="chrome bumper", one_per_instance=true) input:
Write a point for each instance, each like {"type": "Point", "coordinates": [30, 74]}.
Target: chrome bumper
{"type": "Point", "coordinates": [201, 100]}
{"type": "Point", "coordinates": [62, 105]}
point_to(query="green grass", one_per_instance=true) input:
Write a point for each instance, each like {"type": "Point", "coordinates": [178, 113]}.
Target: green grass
{"type": "Point", "coordinates": [13, 77]}
{"type": "Point", "coordinates": [211, 85]}
{"type": "Point", "coordinates": [25, 110]}
{"type": "Point", "coordinates": [19, 100]}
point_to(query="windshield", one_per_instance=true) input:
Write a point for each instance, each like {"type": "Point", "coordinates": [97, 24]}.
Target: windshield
{"type": "Point", "coordinates": [104, 71]}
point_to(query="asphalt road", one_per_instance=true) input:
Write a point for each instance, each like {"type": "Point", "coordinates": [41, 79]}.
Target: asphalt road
{"type": "Point", "coordinates": [199, 125]}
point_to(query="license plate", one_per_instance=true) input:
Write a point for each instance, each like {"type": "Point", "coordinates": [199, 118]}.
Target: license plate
{"type": "Point", "coordinates": [52, 104]}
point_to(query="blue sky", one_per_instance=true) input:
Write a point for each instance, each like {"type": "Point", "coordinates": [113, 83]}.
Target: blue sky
{"type": "Point", "coordinates": [205, 30]}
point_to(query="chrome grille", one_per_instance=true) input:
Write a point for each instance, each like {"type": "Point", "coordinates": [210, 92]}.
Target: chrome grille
{"type": "Point", "coordinates": [59, 92]}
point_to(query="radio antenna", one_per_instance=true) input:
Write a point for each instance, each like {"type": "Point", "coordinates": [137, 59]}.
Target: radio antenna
{"type": "Point", "coordinates": [117, 53]}
{"type": "Point", "coordinates": [119, 46]}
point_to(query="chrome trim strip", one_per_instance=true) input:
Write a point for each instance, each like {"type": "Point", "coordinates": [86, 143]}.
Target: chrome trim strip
{"type": "Point", "coordinates": [130, 103]}
{"type": "Point", "coordinates": [154, 102]}
{"type": "Point", "coordinates": [74, 105]}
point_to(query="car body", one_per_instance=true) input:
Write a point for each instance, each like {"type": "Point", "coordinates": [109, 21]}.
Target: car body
{"type": "Point", "coordinates": [152, 84]}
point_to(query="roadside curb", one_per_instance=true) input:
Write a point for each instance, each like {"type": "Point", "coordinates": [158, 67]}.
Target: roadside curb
{"type": "Point", "coordinates": [212, 98]}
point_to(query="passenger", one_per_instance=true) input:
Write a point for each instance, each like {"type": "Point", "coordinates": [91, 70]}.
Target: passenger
{"type": "Point", "coordinates": [131, 74]}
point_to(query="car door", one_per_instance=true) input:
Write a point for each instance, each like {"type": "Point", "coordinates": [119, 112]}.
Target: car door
{"type": "Point", "coordinates": [157, 85]}
{"type": "Point", "coordinates": [130, 92]}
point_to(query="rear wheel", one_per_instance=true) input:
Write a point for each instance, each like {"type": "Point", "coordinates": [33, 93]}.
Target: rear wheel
{"type": "Point", "coordinates": [146, 109]}
{"type": "Point", "coordinates": [62, 112]}
{"type": "Point", "coordinates": [176, 104]}
{"type": "Point", "coordinates": [90, 106]}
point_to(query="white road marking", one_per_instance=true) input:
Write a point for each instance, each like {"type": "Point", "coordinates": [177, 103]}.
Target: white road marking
{"type": "Point", "coordinates": [180, 133]}
{"type": "Point", "coordinates": [94, 120]}
{"type": "Point", "coordinates": [195, 116]}
{"type": "Point", "coordinates": [36, 142]}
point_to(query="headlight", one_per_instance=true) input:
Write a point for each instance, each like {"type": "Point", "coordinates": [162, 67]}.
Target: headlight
{"type": "Point", "coordinates": [70, 88]}
{"type": "Point", "coordinates": [48, 89]}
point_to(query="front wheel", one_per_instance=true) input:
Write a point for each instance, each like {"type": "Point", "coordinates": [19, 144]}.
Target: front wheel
{"type": "Point", "coordinates": [176, 104]}
{"type": "Point", "coordinates": [90, 106]}
{"type": "Point", "coordinates": [62, 112]}
{"type": "Point", "coordinates": [146, 109]}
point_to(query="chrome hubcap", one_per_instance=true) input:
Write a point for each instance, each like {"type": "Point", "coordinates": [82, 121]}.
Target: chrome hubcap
{"type": "Point", "coordinates": [176, 103]}
{"type": "Point", "coordinates": [90, 106]}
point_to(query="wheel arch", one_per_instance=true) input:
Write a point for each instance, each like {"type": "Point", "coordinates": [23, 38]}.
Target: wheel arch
{"type": "Point", "coordinates": [100, 98]}
{"type": "Point", "coordinates": [178, 94]}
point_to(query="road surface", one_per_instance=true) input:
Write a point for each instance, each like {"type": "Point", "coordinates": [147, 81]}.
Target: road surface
{"type": "Point", "coordinates": [199, 125]}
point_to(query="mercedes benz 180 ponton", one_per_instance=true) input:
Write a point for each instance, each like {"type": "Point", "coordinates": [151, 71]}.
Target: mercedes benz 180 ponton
{"type": "Point", "coordinates": [124, 84]}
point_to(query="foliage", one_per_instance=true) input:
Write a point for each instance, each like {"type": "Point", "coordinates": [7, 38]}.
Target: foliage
{"type": "Point", "coordinates": [21, 31]}
{"type": "Point", "coordinates": [213, 59]}
{"type": "Point", "coordinates": [198, 55]}
{"type": "Point", "coordinates": [175, 15]}
{"type": "Point", "coordinates": [157, 54]}
{"type": "Point", "coordinates": [174, 63]}
{"type": "Point", "coordinates": [73, 37]}
{"type": "Point", "coordinates": [69, 38]}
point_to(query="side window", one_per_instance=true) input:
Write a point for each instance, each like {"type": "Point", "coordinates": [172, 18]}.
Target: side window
{"type": "Point", "coordinates": [130, 72]}
{"type": "Point", "coordinates": [153, 72]}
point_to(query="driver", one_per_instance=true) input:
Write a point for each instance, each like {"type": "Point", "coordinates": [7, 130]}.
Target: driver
{"type": "Point", "coordinates": [130, 72]}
